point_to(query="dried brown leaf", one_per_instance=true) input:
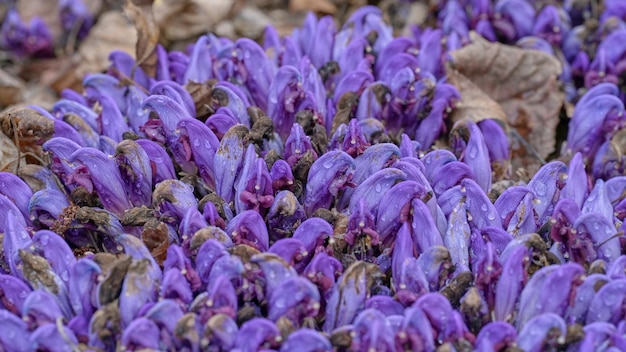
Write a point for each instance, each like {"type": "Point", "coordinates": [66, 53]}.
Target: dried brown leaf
{"type": "Point", "coordinates": [475, 105]}
{"type": "Point", "coordinates": [147, 33]}
{"type": "Point", "coordinates": [155, 237]}
{"type": "Point", "coordinates": [27, 123]}
{"type": "Point", "coordinates": [325, 7]}
{"type": "Point", "coordinates": [9, 154]}
{"type": "Point", "coordinates": [11, 89]}
{"type": "Point", "coordinates": [37, 272]}
{"type": "Point", "coordinates": [524, 83]}
{"type": "Point", "coordinates": [112, 285]}
{"type": "Point", "coordinates": [113, 31]}
{"type": "Point", "coordinates": [184, 19]}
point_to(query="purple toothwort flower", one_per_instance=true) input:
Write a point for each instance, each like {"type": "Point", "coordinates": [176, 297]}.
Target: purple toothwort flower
{"type": "Point", "coordinates": [327, 177]}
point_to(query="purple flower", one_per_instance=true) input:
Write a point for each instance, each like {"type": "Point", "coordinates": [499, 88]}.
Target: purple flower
{"type": "Point", "coordinates": [53, 337]}
{"type": "Point", "coordinates": [349, 295]}
{"type": "Point", "coordinates": [123, 65]}
{"type": "Point", "coordinates": [550, 296]}
{"type": "Point", "coordinates": [473, 152]}
{"type": "Point", "coordinates": [282, 177]}
{"type": "Point", "coordinates": [249, 228]}
{"type": "Point", "coordinates": [141, 333]}
{"type": "Point", "coordinates": [514, 18]}
{"type": "Point", "coordinates": [323, 270]}
{"type": "Point", "coordinates": [584, 294]}
{"type": "Point", "coordinates": [200, 64]}
{"type": "Point", "coordinates": [373, 189]}
{"type": "Point", "coordinates": [372, 332]}
{"type": "Point", "coordinates": [290, 249]}
{"type": "Point", "coordinates": [15, 336]}
{"type": "Point", "coordinates": [40, 308]}
{"type": "Point", "coordinates": [403, 250]}
{"type": "Point", "coordinates": [416, 333]}
{"type": "Point", "coordinates": [542, 332]}
{"type": "Point", "coordinates": [82, 286]}
{"type": "Point", "coordinates": [597, 235]}
{"type": "Point", "coordinates": [510, 286]}
{"type": "Point", "coordinates": [390, 218]}
{"type": "Point", "coordinates": [13, 292]}
{"type": "Point", "coordinates": [138, 289]}
{"type": "Point", "coordinates": [198, 140]}
{"type": "Point", "coordinates": [176, 92]}
{"type": "Point", "coordinates": [257, 333]}
{"type": "Point", "coordinates": [592, 119]}
{"type": "Point", "coordinates": [227, 163]}
{"type": "Point", "coordinates": [75, 16]}
{"type": "Point", "coordinates": [136, 171]}
{"type": "Point", "coordinates": [160, 162]}
{"type": "Point", "coordinates": [327, 177]}
{"type": "Point", "coordinates": [33, 39]}
{"type": "Point", "coordinates": [18, 191]}
{"type": "Point", "coordinates": [598, 201]}
{"type": "Point", "coordinates": [221, 332]}
{"type": "Point", "coordinates": [606, 305]}
{"type": "Point", "coordinates": [306, 340]}
{"type": "Point", "coordinates": [295, 298]}
{"type": "Point", "coordinates": [257, 70]}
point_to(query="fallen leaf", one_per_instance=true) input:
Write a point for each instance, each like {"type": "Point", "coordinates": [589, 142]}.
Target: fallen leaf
{"type": "Point", "coordinates": [250, 22]}
{"type": "Point", "coordinates": [321, 6]}
{"type": "Point", "coordinates": [147, 33]}
{"type": "Point", "coordinates": [9, 154]}
{"type": "Point", "coordinates": [113, 31]}
{"type": "Point", "coordinates": [11, 89]}
{"type": "Point", "coordinates": [475, 104]}
{"type": "Point", "coordinates": [27, 123]}
{"type": "Point", "coordinates": [184, 19]}
{"type": "Point", "coordinates": [524, 83]}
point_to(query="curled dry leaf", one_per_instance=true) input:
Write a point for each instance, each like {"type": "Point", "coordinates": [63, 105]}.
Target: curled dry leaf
{"type": "Point", "coordinates": [23, 131]}
{"type": "Point", "coordinates": [524, 83]}
{"type": "Point", "coordinates": [147, 33]}
{"type": "Point", "coordinates": [9, 154]}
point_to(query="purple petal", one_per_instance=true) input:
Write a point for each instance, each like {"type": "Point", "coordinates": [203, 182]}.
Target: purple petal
{"type": "Point", "coordinates": [160, 162]}
{"type": "Point", "coordinates": [606, 305]}
{"type": "Point", "coordinates": [103, 176]}
{"type": "Point", "coordinates": [136, 171]}
{"type": "Point", "coordinates": [541, 332]}
{"type": "Point", "coordinates": [285, 215]}
{"type": "Point", "coordinates": [306, 340]}
{"type": "Point", "coordinates": [255, 333]}
{"type": "Point", "coordinates": [294, 298]}
{"type": "Point", "coordinates": [141, 333]}
{"type": "Point", "coordinates": [15, 333]}
{"type": "Point", "coordinates": [197, 137]}
{"type": "Point", "coordinates": [328, 175]}
{"type": "Point", "coordinates": [13, 292]}
{"type": "Point", "coordinates": [349, 295]}
{"type": "Point", "coordinates": [249, 228]}
{"type": "Point", "coordinates": [54, 338]}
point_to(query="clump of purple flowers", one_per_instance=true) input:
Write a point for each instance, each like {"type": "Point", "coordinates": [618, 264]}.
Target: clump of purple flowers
{"type": "Point", "coordinates": [289, 197]}
{"type": "Point", "coordinates": [34, 38]}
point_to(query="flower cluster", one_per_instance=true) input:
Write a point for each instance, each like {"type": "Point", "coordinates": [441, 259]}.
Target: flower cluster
{"type": "Point", "coordinates": [585, 37]}
{"type": "Point", "coordinates": [35, 38]}
{"type": "Point", "coordinates": [288, 197]}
